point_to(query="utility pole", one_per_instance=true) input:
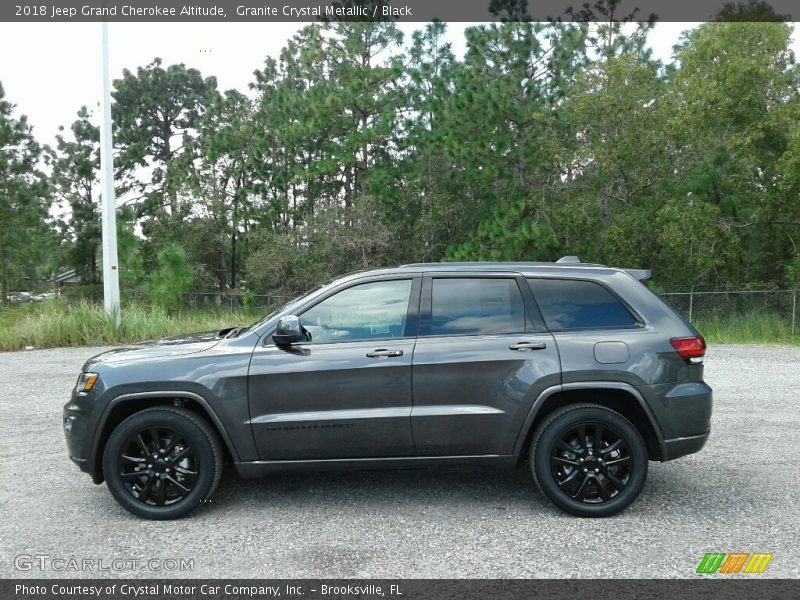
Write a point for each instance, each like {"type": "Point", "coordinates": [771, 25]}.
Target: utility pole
{"type": "Point", "coordinates": [109, 208]}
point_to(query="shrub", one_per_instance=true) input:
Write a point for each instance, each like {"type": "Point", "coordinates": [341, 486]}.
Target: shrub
{"type": "Point", "coordinates": [171, 280]}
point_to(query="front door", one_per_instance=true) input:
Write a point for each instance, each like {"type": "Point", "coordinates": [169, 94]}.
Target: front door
{"type": "Point", "coordinates": [347, 392]}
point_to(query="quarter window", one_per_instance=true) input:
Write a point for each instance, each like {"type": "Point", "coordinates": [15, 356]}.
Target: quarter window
{"type": "Point", "coordinates": [375, 310]}
{"type": "Point", "coordinates": [573, 304]}
{"type": "Point", "coordinates": [476, 306]}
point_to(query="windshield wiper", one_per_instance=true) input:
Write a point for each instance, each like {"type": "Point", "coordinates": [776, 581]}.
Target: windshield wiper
{"type": "Point", "coordinates": [235, 332]}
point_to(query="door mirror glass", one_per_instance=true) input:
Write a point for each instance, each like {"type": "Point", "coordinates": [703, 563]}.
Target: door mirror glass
{"type": "Point", "coordinates": [289, 331]}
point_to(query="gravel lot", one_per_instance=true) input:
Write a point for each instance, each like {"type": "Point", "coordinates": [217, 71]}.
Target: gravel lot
{"type": "Point", "coordinates": [741, 493]}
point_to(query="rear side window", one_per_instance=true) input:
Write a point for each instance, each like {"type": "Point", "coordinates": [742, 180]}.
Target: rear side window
{"type": "Point", "coordinates": [462, 306]}
{"type": "Point", "coordinates": [573, 304]}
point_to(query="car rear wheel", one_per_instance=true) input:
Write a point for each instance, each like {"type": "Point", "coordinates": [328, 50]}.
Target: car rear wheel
{"type": "Point", "coordinates": [162, 462]}
{"type": "Point", "coordinates": [588, 460]}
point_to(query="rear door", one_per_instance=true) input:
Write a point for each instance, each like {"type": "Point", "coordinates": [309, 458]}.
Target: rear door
{"type": "Point", "coordinates": [482, 357]}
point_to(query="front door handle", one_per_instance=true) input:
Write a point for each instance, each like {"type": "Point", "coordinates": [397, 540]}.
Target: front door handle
{"type": "Point", "coordinates": [527, 346]}
{"type": "Point", "coordinates": [383, 353]}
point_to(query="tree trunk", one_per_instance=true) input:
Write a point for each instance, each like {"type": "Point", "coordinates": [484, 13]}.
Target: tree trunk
{"type": "Point", "coordinates": [234, 228]}
{"type": "Point", "coordinates": [4, 276]}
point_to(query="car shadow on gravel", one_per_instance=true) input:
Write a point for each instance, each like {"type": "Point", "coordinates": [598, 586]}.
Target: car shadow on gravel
{"type": "Point", "coordinates": [445, 487]}
{"type": "Point", "coordinates": [671, 487]}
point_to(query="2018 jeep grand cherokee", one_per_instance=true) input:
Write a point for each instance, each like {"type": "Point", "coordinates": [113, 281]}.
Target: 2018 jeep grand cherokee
{"type": "Point", "coordinates": [577, 367]}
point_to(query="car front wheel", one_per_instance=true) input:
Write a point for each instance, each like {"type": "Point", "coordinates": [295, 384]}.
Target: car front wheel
{"type": "Point", "coordinates": [588, 460]}
{"type": "Point", "coordinates": [162, 462]}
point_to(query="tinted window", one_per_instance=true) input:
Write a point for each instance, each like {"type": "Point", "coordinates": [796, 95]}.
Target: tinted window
{"type": "Point", "coordinates": [375, 310]}
{"type": "Point", "coordinates": [470, 306]}
{"type": "Point", "coordinates": [570, 304]}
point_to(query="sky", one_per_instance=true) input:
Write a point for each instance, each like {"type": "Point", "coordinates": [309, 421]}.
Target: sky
{"type": "Point", "coordinates": [49, 70]}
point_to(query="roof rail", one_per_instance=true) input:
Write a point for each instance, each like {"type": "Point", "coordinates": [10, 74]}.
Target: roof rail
{"type": "Point", "coordinates": [640, 274]}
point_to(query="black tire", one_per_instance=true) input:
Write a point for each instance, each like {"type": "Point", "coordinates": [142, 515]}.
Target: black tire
{"type": "Point", "coordinates": [162, 462]}
{"type": "Point", "coordinates": [593, 477]}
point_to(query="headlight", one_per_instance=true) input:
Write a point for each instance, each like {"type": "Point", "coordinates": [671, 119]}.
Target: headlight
{"type": "Point", "coordinates": [86, 382]}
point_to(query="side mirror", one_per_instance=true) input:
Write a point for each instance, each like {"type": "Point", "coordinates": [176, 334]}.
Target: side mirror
{"type": "Point", "coordinates": [289, 331]}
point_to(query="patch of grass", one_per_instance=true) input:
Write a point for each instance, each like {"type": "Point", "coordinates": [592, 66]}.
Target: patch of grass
{"type": "Point", "coordinates": [753, 328]}
{"type": "Point", "coordinates": [57, 323]}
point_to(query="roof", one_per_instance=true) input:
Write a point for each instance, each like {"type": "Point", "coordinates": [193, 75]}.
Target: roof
{"type": "Point", "coordinates": [564, 265]}
{"type": "Point", "coordinates": [500, 265]}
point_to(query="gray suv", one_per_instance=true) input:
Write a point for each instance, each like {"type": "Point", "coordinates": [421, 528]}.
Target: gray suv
{"type": "Point", "coordinates": [577, 368]}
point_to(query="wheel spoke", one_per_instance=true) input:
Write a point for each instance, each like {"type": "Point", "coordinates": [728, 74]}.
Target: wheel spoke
{"type": "Point", "coordinates": [625, 460]}
{"type": "Point", "coordinates": [134, 475]}
{"type": "Point", "coordinates": [170, 444]}
{"type": "Point", "coordinates": [569, 479]}
{"type": "Point", "coordinates": [161, 493]}
{"type": "Point", "coordinates": [145, 492]}
{"type": "Point", "coordinates": [582, 439]}
{"type": "Point", "coordinates": [564, 461]}
{"type": "Point", "coordinates": [602, 489]}
{"type": "Point", "coordinates": [180, 455]}
{"type": "Point", "coordinates": [611, 447]}
{"type": "Point", "coordinates": [133, 459]}
{"type": "Point", "coordinates": [598, 437]}
{"type": "Point", "coordinates": [183, 471]}
{"type": "Point", "coordinates": [141, 444]}
{"type": "Point", "coordinates": [180, 486]}
{"type": "Point", "coordinates": [582, 489]}
{"type": "Point", "coordinates": [617, 483]}
{"type": "Point", "coordinates": [156, 437]}
{"type": "Point", "coordinates": [568, 447]}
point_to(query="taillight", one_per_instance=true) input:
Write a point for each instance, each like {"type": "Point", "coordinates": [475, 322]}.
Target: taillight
{"type": "Point", "coordinates": [691, 347]}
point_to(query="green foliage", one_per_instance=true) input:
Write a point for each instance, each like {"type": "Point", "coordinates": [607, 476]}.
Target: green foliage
{"type": "Point", "coordinates": [171, 280]}
{"type": "Point", "coordinates": [76, 164]}
{"type": "Point", "coordinates": [793, 272]}
{"type": "Point", "coordinates": [24, 196]}
{"type": "Point", "coordinates": [56, 323]}
{"type": "Point", "coordinates": [332, 242]}
{"type": "Point", "coordinates": [356, 150]}
{"type": "Point", "coordinates": [152, 108]}
{"type": "Point", "coordinates": [131, 266]}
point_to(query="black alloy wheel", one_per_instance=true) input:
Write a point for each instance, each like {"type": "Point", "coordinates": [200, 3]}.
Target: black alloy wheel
{"type": "Point", "coordinates": [589, 460]}
{"type": "Point", "coordinates": [158, 466]}
{"type": "Point", "coordinates": [591, 463]}
{"type": "Point", "coordinates": [162, 462]}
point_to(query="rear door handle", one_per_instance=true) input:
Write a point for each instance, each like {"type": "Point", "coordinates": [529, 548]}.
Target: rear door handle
{"type": "Point", "coordinates": [527, 346]}
{"type": "Point", "coordinates": [383, 353]}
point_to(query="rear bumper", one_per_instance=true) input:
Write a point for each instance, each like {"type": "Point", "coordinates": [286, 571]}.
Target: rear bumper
{"type": "Point", "coordinates": [677, 447]}
{"type": "Point", "coordinates": [683, 413]}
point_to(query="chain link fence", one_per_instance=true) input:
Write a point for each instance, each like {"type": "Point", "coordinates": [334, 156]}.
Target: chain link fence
{"type": "Point", "coordinates": [781, 305]}
{"type": "Point", "coordinates": [232, 301]}
{"type": "Point", "coordinates": [702, 306]}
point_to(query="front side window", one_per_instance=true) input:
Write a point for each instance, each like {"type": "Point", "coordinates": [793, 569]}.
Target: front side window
{"type": "Point", "coordinates": [573, 304]}
{"type": "Point", "coordinates": [375, 310]}
{"type": "Point", "coordinates": [476, 306]}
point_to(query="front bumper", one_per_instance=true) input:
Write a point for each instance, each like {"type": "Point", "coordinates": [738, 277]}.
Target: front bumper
{"type": "Point", "coordinates": [79, 424]}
